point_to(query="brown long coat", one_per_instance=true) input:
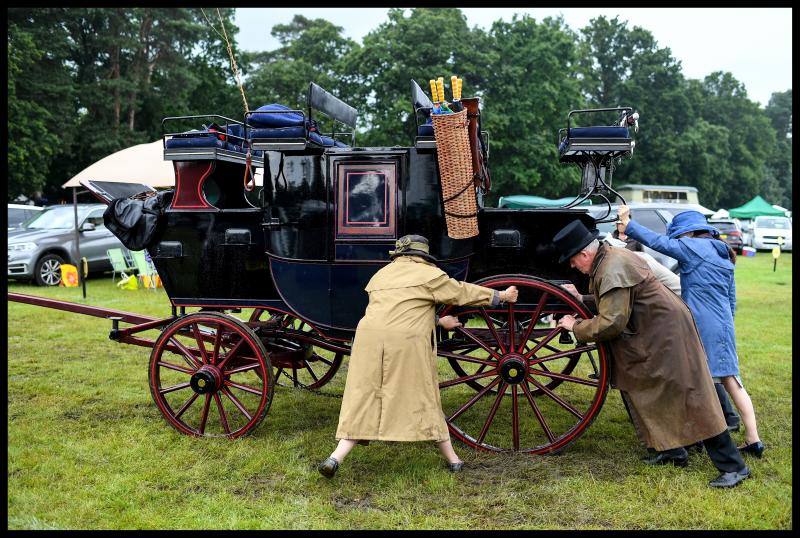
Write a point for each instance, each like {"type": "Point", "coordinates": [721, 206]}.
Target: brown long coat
{"type": "Point", "coordinates": [658, 358]}
{"type": "Point", "coordinates": [392, 388]}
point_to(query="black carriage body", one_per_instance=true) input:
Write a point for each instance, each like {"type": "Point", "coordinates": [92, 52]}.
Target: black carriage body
{"type": "Point", "coordinates": [323, 225]}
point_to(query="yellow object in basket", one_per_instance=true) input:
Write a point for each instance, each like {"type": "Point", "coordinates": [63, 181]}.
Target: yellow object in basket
{"type": "Point", "coordinates": [460, 83]}
{"type": "Point", "coordinates": [434, 92]}
{"type": "Point", "coordinates": [440, 88]}
{"type": "Point", "coordinates": [454, 87]}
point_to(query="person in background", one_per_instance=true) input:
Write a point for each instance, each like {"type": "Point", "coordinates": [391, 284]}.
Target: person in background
{"type": "Point", "coordinates": [673, 282]}
{"type": "Point", "coordinates": [708, 287]}
{"type": "Point", "coordinates": [392, 388]}
{"type": "Point", "coordinates": [659, 364]}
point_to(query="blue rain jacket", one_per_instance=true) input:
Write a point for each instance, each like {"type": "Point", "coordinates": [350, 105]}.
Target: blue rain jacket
{"type": "Point", "coordinates": [707, 288]}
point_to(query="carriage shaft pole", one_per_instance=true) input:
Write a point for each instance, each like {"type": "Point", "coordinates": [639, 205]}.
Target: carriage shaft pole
{"type": "Point", "coordinates": [127, 317]}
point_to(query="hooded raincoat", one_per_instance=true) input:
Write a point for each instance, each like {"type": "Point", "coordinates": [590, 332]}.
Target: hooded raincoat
{"type": "Point", "coordinates": [708, 288]}
{"type": "Point", "coordinates": [392, 387]}
{"type": "Point", "coordinates": [658, 360]}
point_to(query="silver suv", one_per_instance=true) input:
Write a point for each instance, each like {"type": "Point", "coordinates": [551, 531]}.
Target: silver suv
{"type": "Point", "coordinates": [37, 249]}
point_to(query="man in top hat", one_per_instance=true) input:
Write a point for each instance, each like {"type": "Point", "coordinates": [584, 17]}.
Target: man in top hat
{"type": "Point", "coordinates": [392, 387]}
{"type": "Point", "coordinates": [659, 363]}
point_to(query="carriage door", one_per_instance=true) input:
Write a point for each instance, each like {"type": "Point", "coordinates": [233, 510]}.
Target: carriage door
{"type": "Point", "coordinates": [366, 212]}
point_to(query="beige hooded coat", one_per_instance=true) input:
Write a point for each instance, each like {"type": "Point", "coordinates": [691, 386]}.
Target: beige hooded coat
{"type": "Point", "coordinates": [392, 387]}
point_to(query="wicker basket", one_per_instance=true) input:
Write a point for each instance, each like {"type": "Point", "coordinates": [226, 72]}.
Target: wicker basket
{"type": "Point", "coordinates": [455, 173]}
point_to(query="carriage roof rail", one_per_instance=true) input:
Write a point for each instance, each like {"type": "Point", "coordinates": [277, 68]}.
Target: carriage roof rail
{"type": "Point", "coordinates": [333, 107]}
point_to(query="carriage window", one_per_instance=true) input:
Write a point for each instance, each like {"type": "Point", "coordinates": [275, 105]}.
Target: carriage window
{"type": "Point", "coordinates": [366, 199]}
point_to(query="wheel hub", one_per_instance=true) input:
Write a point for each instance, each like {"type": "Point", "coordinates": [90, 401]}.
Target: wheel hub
{"type": "Point", "coordinates": [206, 379]}
{"type": "Point", "coordinates": [513, 369]}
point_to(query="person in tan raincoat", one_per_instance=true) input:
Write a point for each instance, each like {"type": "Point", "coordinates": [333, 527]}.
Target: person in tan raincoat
{"type": "Point", "coordinates": [658, 362]}
{"type": "Point", "coordinates": [392, 387]}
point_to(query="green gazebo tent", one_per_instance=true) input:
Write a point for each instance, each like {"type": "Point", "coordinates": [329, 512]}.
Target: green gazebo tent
{"type": "Point", "coordinates": [755, 208]}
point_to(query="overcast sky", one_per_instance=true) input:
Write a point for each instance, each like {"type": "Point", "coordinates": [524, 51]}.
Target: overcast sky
{"type": "Point", "coordinates": [753, 44]}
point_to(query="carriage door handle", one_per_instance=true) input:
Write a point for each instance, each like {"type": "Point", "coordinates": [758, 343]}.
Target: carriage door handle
{"type": "Point", "coordinates": [272, 223]}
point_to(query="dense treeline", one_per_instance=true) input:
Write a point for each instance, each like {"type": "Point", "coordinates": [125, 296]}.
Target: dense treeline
{"type": "Point", "coordinates": [86, 82]}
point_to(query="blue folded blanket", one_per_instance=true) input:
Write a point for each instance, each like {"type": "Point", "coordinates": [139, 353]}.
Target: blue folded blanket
{"type": "Point", "coordinates": [275, 115]}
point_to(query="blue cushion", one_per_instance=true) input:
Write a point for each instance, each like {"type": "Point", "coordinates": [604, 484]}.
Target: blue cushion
{"type": "Point", "coordinates": [278, 132]}
{"type": "Point", "coordinates": [195, 140]}
{"type": "Point", "coordinates": [271, 116]}
{"type": "Point", "coordinates": [599, 132]}
{"type": "Point", "coordinates": [235, 130]}
{"type": "Point", "coordinates": [425, 130]}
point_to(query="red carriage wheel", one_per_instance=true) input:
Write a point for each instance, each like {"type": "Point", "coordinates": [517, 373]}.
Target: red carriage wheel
{"type": "Point", "coordinates": [298, 362]}
{"type": "Point", "coordinates": [211, 376]}
{"type": "Point", "coordinates": [537, 391]}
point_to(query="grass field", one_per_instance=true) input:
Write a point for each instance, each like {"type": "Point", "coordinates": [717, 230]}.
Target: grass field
{"type": "Point", "coordinates": [88, 449]}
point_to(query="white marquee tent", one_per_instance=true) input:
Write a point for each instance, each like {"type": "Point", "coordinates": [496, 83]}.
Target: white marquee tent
{"type": "Point", "coordinates": [143, 163]}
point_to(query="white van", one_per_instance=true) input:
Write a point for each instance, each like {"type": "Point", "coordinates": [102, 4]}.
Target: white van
{"type": "Point", "coordinates": [769, 232]}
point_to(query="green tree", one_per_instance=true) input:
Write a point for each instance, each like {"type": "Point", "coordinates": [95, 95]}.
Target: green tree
{"type": "Point", "coordinates": [778, 173]}
{"type": "Point", "coordinates": [626, 67]}
{"type": "Point", "coordinates": [312, 50]}
{"type": "Point", "coordinates": [40, 98]}
{"type": "Point", "coordinates": [419, 44]}
{"type": "Point", "coordinates": [532, 87]}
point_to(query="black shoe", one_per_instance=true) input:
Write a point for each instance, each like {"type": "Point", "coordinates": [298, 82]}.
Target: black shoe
{"type": "Point", "coordinates": [754, 449]}
{"type": "Point", "coordinates": [455, 467]}
{"type": "Point", "coordinates": [729, 480]}
{"type": "Point", "coordinates": [328, 467]}
{"type": "Point", "coordinates": [663, 458]}
{"type": "Point", "coordinates": [697, 447]}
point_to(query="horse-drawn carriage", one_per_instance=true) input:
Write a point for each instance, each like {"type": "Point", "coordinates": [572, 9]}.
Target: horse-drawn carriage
{"type": "Point", "coordinates": [268, 283]}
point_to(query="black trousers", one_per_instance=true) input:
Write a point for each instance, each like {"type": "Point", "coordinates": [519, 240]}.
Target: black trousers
{"type": "Point", "coordinates": [731, 418]}
{"type": "Point", "coordinates": [722, 451]}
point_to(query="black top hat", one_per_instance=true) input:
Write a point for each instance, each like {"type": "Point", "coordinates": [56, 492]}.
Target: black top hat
{"type": "Point", "coordinates": [572, 239]}
{"type": "Point", "coordinates": [412, 245]}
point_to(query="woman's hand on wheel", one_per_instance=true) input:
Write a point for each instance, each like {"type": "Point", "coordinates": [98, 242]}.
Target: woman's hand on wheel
{"type": "Point", "coordinates": [509, 295]}
{"type": "Point", "coordinates": [449, 322]}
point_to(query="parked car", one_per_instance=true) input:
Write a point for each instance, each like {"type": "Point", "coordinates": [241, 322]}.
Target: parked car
{"type": "Point", "coordinates": [730, 232]}
{"type": "Point", "coordinates": [655, 216]}
{"type": "Point", "coordinates": [37, 249]}
{"type": "Point", "coordinates": [768, 230]}
{"type": "Point", "coordinates": [19, 213]}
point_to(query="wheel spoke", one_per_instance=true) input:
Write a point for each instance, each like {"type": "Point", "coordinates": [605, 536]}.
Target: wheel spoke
{"type": "Point", "coordinates": [204, 415]}
{"type": "Point", "coordinates": [217, 343]}
{"type": "Point", "coordinates": [294, 376]}
{"type": "Point", "coordinates": [310, 371]}
{"type": "Point", "coordinates": [186, 354]}
{"type": "Point", "coordinates": [465, 358]}
{"type": "Point", "coordinates": [542, 342]}
{"type": "Point", "coordinates": [246, 388]}
{"type": "Point", "coordinates": [538, 413]}
{"type": "Point", "coordinates": [186, 405]}
{"type": "Point", "coordinates": [556, 397]}
{"type": "Point", "coordinates": [175, 367]}
{"type": "Point", "coordinates": [222, 417]}
{"type": "Point", "coordinates": [458, 380]}
{"type": "Point", "coordinates": [492, 412]}
{"type": "Point", "coordinates": [231, 353]}
{"type": "Point", "coordinates": [173, 388]}
{"type": "Point", "coordinates": [566, 378]}
{"type": "Point", "coordinates": [561, 354]}
{"type": "Point", "coordinates": [534, 319]}
{"type": "Point", "coordinates": [474, 399]}
{"type": "Point", "coordinates": [245, 368]}
{"type": "Point", "coordinates": [511, 328]}
{"type": "Point", "coordinates": [468, 334]}
{"type": "Point", "coordinates": [492, 328]}
{"type": "Point", "coordinates": [200, 345]}
{"type": "Point", "coordinates": [514, 418]}
{"type": "Point", "coordinates": [236, 402]}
